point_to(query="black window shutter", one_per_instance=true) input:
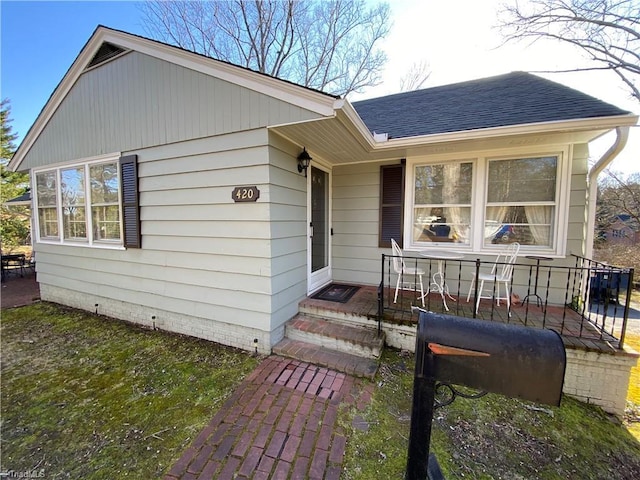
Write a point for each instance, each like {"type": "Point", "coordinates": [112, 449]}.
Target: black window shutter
{"type": "Point", "coordinates": [391, 205]}
{"type": "Point", "coordinates": [130, 205]}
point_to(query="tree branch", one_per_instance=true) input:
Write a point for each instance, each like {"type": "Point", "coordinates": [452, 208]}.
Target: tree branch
{"type": "Point", "coordinates": [607, 31]}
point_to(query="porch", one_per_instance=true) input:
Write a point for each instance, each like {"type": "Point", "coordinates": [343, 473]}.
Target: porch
{"type": "Point", "coordinates": [576, 331]}
{"type": "Point", "coordinates": [587, 303]}
{"type": "Point", "coordinates": [592, 324]}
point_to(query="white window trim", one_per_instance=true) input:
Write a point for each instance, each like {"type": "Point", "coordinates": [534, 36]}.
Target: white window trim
{"type": "Point", "coordinates": [480, 181]}
{"type": "Point", "coordinates": [90, 241]}
{"type": "Point", "coordinates": [409, 209]}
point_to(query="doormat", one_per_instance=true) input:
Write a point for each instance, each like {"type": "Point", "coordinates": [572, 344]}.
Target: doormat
{"type": "Point", "coordinates": [336, 292]}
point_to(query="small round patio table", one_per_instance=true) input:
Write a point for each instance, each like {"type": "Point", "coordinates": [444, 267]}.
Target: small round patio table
{"type": "Point", "coordinates": [439, 283]}
{"type": "Point", "coordinates": [538, 259]}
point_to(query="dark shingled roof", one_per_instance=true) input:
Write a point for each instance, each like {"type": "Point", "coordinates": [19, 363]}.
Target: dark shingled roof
{"type": "Point", "coordinates": [512, 99]}
{"type": "Point", "coordinates": [25, 197]}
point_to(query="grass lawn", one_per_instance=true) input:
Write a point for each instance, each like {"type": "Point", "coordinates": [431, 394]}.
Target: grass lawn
{"type": "Point", "coordinates": [91, 397]}
{"type": "Point", "coordinates": [632, 339]}
{"type": "Point", "coordinates": [633, 395]}
{"type": "Point", "coordinates": [488, 438]}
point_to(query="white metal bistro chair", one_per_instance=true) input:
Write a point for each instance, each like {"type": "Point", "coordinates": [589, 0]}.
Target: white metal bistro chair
{"type": "Point", "coordinates": [501, 272]}
{"type": "Point", "coordinates": [403, 272]}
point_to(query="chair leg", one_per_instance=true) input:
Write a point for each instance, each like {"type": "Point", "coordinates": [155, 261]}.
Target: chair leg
{"type": "Point", "coordinates": [473, 282]}
{"type": "Point", "coordinates": [479, 295]}
{"type": "Point", "coordinates": [421, 291]}
{"type": "Point", "coordinates": [395, 298]}
{"type": "Point", "coordinates": [506, 288]}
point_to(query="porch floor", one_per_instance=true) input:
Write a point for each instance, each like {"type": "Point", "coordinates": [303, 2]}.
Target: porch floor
{"type": "Point", "coordinates": [576, 331]}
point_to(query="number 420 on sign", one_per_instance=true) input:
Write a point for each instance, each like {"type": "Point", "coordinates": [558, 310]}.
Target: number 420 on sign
{"type": "Point", "coordinates": [245, 194]}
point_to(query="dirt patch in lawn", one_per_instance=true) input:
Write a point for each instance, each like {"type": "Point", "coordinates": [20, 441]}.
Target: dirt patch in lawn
{"type": "Point", "coordinates": [87, 396]}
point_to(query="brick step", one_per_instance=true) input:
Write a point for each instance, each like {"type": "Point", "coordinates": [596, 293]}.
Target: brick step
{"type": "Point", "coordinates": [325, 357]}
{"type": "Point", "coordinates": [355, 340]}
{"type": "Point", "coordinates": [361, 309]}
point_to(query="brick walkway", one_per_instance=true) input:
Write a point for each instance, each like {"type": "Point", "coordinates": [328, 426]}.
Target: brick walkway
{"type": "Point", "coordinates": [280, 423]}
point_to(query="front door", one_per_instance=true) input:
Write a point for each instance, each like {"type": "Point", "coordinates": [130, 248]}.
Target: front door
{"type": "Point", "coordinates": [319, 217]}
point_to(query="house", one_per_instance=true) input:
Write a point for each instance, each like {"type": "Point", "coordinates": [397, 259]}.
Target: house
{"type": "Point", "coordinates": [169, 188]}
{"type": "Point", "coordinates": [623, 230]}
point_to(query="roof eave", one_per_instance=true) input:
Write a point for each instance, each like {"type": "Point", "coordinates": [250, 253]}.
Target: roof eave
{"type": "Point", "coordinates": [596, 125]}
{"type": "Point", "coordinates": [354, 119]}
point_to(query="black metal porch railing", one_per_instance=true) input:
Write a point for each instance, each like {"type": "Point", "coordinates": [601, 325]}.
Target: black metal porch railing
{"type": "Point", "coordinates": [588, 303]}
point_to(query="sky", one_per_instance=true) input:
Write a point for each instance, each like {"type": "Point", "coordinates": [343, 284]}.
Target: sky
{"type": "Point", "coordinates": [40, 40]}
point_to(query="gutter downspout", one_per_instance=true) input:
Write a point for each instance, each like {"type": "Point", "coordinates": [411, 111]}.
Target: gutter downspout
{"type": "Point", "coordinates": [622, 135]}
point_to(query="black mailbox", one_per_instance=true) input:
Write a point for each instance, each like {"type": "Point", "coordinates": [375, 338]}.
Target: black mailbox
{"type": "Point", "coordinates": [510, 360]}
{"type": "Point", "coordinates": [515, 361]}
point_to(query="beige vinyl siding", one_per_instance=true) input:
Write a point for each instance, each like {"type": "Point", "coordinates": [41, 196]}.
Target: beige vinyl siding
{"type": "Point", "coordinates": [288, 231]}
{"type": "Point", "coordinates": [173, 292]}
{"type": "Point", "coordinates": [356, 195]}
{"type": "Point", "coordinates": [202, 254]}
{"type": "Point", "coordinates": [137, 101]}
{"type": "Point", "coordinates": [577, 200]}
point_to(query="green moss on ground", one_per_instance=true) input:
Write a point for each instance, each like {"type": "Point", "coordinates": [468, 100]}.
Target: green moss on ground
{"type": "Point", "coordinates": [488, 438]}
{"type": "Point", "coordinates": [86, 396]}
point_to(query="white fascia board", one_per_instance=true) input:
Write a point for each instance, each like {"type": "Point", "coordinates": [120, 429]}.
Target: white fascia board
{"type": "Point", "coordinates": [595, 124]}
{"type": "Point", "coordinates": [356, 121]}
{"type": "Point", "coordinates": [302, 97]}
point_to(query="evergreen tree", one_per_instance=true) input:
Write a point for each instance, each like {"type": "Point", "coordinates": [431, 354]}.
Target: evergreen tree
{"type": "Point", "coordinates": [14, 220]}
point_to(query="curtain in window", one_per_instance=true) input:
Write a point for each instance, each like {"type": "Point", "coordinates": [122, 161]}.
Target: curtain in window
{"type": "Point", "coordinates": [451, 181]}
{"type": "Point", "coordinates": [539, 219]}
{"type": "Point", "coordinates": [442, 202]}
{"type": "Point", "coordinates": [494, 221]}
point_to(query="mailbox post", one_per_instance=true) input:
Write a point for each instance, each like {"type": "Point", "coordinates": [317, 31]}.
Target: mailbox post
{"type": "Point", "coordinates": [511, 360]}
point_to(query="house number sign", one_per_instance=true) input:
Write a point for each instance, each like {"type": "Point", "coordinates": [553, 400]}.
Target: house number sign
{"type": "Point", "coordinates": [245, 194]}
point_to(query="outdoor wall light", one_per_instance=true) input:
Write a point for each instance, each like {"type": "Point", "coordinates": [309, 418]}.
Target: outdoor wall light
{"type": "Point", "coordinates": [304, 159]}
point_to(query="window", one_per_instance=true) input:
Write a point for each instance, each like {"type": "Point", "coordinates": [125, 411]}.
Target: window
{"type": "Point", "coordinates": [81, 203]}
{"type": "Point", "coordinates": [74, 223]}
{"type": "Point", "coordinates": [480, 203]}
{"type": "Point", "coordinates": [442, 202]}
{"type": "Point", "coordinates": [520, 201]}
{"type": "Point", "coordinates": [105, 209]}
{"type": "Point", "coordinates": [47, 198]}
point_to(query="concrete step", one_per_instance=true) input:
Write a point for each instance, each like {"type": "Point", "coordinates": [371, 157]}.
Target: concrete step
{"type": "Point", "coordinates": [352, 339]}
{"type": "Point", "coordinates": [325, 357]}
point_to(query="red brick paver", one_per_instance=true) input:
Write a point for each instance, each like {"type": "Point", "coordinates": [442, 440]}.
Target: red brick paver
{"type": "Point", "coordinates": [279, 423]}
{"type": "Point", "coordinates": [18, 291]}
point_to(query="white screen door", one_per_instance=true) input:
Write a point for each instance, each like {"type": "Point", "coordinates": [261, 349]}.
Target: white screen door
{"type": "Point", "coordinates": [319, 217]}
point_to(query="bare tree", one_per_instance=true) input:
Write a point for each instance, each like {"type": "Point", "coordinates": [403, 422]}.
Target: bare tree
{"type": "Point", "coordinates": [608, 31]}
{"type": "Point", "coordinates": [327, 45]}
{"type": "Point", "coordinates": [416, 76]}
{"type": "Point", "coordinates": [619, 195]}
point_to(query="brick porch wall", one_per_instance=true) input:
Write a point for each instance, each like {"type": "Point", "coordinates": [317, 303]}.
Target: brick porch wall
{"type": "Point", "coordinates": [599, 378]}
